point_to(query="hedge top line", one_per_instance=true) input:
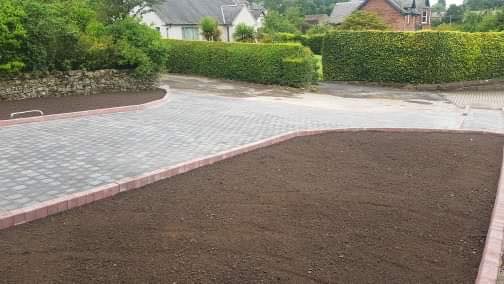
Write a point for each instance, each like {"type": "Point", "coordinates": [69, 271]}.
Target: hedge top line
{"type": "Point", "coordinates": [287, 44]}
{"type": "Point", "coordinates": [415, 32]}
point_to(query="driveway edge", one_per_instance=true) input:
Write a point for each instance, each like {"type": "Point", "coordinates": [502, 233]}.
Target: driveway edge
{"type": "Point", "coordinates": [130, 108]}
{"type": "Point", "coordinates": [491, 258]}
{"type": "Point", "coordinates": [492, 254]}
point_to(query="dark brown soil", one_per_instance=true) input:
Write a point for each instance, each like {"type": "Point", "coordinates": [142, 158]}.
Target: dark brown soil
{"type": "Point", "coordinates": [54, 105]}
{"type": "Point", "coordinates": [365, 207]}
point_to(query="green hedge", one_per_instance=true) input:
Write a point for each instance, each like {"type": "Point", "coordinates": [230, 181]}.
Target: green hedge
{"type": "Point", "coordinates": [284, 64]}
{"type": "Point", "coordinates": [413, 57]}
{"type": "Point", "coordinates": [314, 42]}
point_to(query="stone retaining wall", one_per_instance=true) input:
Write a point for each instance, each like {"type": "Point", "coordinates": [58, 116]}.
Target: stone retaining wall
{"type": "Point", "coordinates": [70, 83]}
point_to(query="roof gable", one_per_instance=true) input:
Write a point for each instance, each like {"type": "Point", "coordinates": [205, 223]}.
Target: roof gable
{"type": "Point", "coordinates": [344, 9]}
{"type": "Point", "coordinates": [190, 12]}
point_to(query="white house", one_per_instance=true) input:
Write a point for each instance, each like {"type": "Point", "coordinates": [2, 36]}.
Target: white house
{"type": "Point", "coordinates": [179, 19]}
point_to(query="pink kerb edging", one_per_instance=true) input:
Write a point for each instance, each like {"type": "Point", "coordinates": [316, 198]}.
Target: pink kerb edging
{"type": "Point", "coordinates": [130, 108]}
{"type": "Point", "coordinates": [491, 258]}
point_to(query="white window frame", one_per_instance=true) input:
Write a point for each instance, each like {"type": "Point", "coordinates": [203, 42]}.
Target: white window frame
{"type": "Point", "coordinates": [425, 16]}
{"type": "Point", "coordinates": [195, 33]}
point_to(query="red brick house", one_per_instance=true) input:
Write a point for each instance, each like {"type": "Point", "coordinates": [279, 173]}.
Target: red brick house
{"type": "Point", "coordinates": [401, 15]}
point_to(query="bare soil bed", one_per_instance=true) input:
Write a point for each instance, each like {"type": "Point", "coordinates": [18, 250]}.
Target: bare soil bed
{"type": "Point", "coordinates": [365, 207]}
{"type": "Point", "coordinates": [54, 105]}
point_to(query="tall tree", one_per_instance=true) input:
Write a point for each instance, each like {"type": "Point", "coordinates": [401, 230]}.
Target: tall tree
{"type": "Point", "coordinates": [114, 10]}
{"type": "Point", "coordinates": [454, 14]}
{"type": "Point", "coordinates": [294, 16]}
{"type": "Point", "coordinates": [306, 7]}
{"type": "Point", "coordinates": [499, 20]}
{"type": "Point", "coordinates": [274, 22]}
{"type": "Point", "coordinates": [477, 5]}
{"type": "Point", "coordinates": [440, 6]}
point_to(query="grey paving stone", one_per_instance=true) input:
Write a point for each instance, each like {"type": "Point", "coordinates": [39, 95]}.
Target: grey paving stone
{"type": "Point", "coordinates": [478, 99]}
{"type": "Point", "coordinates": [61, 157]}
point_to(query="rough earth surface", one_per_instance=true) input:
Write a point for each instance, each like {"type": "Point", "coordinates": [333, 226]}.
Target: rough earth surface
{"type": "Point", "coordinates": [365, 207]}
{"type": "Point", "coordinates": [54, 105]}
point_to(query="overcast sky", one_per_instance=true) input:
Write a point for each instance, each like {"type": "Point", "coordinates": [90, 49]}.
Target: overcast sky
{"type": "Point", "coordinates": [449, 2]}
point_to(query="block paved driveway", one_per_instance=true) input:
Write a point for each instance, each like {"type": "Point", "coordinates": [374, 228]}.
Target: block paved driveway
{"type": "Point", "coordinates": [43, 161]}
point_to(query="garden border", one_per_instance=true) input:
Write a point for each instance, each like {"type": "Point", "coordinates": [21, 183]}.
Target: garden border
{"type": "Point", "coordinates": [58, 116]}
{"type": "Point", "coordinates": [491, 258]}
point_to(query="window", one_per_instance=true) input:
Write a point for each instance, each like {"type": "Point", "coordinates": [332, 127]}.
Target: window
{"type": "Point", "coordinates": [158, 29]}
{"type": "Point", "coordinates": [425, 16]}
{"type": "Point", "coordinates": [190, 33]}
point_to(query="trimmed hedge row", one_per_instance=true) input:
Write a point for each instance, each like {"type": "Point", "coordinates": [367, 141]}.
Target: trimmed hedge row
{"type": "Point", "coordinates": [413, 57]}
{"type": "Point", "coordinates": [284, 64]}
{"type": "Point", "coordinates": [314, 42]}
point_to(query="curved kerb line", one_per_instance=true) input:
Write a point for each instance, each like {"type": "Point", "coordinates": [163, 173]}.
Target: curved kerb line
{"type": "Point", "coordinates": [490, 261]}
{"type": "Point", "coordinates": [129, 108]}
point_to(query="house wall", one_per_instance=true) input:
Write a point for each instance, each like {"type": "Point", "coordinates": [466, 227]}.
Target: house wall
{"type": "Point", "coordinates": [391, 16]}
{"type": "Point", "coordinates": [151, 19]}
{"type": "Point", "coordinates": [424, 26]}
{"type": "Point", "coordinates": [224, 33]}
{"type": "Point", "coordinates": [427, 26]}
{"type": "Point", "coordinates": [175, 31]}
{"type": "Point", "coordinates": [260, 22]}
{"type": "Point", "coordinates": [166, 31]}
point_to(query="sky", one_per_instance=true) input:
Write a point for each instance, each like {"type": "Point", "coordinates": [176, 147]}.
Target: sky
{"type": "Point", "coordinates": [449, 2]}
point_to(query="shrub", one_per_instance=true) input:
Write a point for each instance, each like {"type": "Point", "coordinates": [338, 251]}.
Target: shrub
{"type": "Point", "coordinates": [244, 33]}
{"type": "Point", "coordinates": [118, 10]}
{"type": "Point", "coordinates": [12, 34]}
{"type": "Point", "coordinates": [275, 22]}
{"type": "Point", "coordinates": [58, 35]}
{"type": "Point", "coordinates": [134, 46]}
{"type": "Point", "coordinates": [319, 30]}
{"type": "Point", "coordinates": [284, 64]}
{"type": "Point", "coordinates": [314, 42]}
{"type": "Point", "coordinates": [300, 71]}
{"type": "Point", "coordinates": [210, 28]}
{"type": "Point", "coordinates": [286, 37]}
{"type": "Point", "coordinates": [409, 57]}
{"type": "Point", "coordinates": [52, 35]}
{"type": "Point", "coordinates": [362, 20]}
